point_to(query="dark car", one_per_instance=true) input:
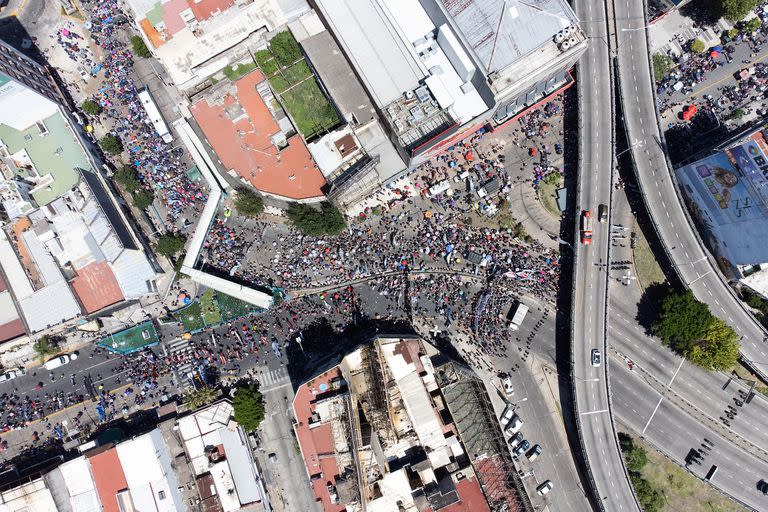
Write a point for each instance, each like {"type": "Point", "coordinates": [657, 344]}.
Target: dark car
{"type": "Point", "coordinates": [602, 213]}
{"type": "Point", "coordinates": [522, 448]}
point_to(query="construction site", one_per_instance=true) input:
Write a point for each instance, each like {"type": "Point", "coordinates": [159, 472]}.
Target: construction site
{"type": "Point", "coordinates": [399, 426]}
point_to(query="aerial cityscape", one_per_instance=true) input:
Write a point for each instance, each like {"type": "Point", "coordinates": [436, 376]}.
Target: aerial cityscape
{"type": "Point", "coordinates": [383, 255]}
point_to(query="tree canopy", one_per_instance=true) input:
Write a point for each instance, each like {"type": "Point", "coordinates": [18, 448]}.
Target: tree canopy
{"type": "Point", "coordinates": [128, 178]}
{"type": "Point", "coordinates": [90, 107]}
{"type": "Point", "coordinates": [201, 397]}
{"type": "Point", "coordinates": [326, 221]}
{"type": "Point", "coordinates": [285, 48]}
{"type": "Point", "coordinates": [169, 244]}
{"type": "Point", "coordinates": [140, 47]}
{"type": "Point", "coordinates": [733, 10]}
{"type": "Point", "coordinates": [248, 405]}
{"type": "Point", "coordinates": [143, 198]}
{"type": "Point", "coordinates": [698, 46]}
{"type": "Point", "coordinates": [111, 144]}
{"type": "Point", "coordinates": [248, 202]}
{"type": "Point", "coordinates": [662, 64]}
{"type": "Point", "coordinates": [636, 458]}
{"type": "Point", "coordinates": [44, 348]}
{"type": "Point", "coordinates": [688, 327]}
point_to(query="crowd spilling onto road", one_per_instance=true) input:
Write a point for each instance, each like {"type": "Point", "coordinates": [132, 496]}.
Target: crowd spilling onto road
{"type": "Point", "coordinates": [160, 169]}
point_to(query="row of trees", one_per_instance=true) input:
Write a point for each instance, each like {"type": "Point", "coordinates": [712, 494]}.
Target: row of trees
{"type": "Point", "coordinates": [248, 404]}
{"type": "Point", "coordinates": [636, 458]}
{"type": "Point", "coordinates": [689, 328]}
{"type": "Point", "coordinates": [128, 177]}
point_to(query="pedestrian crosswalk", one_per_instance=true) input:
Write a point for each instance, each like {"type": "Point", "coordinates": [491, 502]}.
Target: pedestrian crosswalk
{"type": "Point", "coordinates": [183, 371]}
{"type": "Point", "coordinates": [270, 379]}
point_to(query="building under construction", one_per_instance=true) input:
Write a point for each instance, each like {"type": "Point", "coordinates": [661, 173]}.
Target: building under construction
{"type": "Point", "coordinates": [397, 426]}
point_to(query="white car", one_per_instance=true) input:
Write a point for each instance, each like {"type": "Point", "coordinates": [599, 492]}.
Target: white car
{"type": "Point", "coordinates": [507, 415]}
{"type": "Point", "coordinates": [61, 360]}
{"type": "Point", "coordinates": [597, 358]}
{"type": "Point", "coordinates": [12, 374]}
{"type": "Point", "coordinates": [506, 383]}
{"type": "Point", "coordinates": [515, 424]}
{"type": "Point", "coordinates": [544, 488]}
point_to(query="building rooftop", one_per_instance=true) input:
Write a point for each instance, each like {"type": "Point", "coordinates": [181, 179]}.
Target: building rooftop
{"type": "Point", "coordinates": [501, 32]}
{"type": "Point", "coordinates": [47, 153]}
{"type": "Point", "coordinates": [191, 38]}
{"type": "Point", "coordinates": [96, 286]}
{"type": "Point", "coordinates": [243, 132]}
{"type": "Point", "coordinates": [383, 396]}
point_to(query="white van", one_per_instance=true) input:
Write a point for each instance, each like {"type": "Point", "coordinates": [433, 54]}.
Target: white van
{"type": "Point", "coordinates": [544, 488]}
{"type": "Point", "coordinates": [515, 424]}
{"type": "Point", "coordinates": [507, 415]}
{"type": "Point", "coordinates": [59, 361]}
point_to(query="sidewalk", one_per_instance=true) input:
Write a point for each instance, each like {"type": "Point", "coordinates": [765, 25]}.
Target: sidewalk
{"type": "Point", "coordinates": [538, 222]}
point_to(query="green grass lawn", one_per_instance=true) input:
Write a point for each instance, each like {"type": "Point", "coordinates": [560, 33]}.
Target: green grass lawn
{"type": "Point", "coordinates": [309, 108]}
{"type": "Point", "coordinates": [647, 268]}
{"type": "Point", "coordinates": [232, 308]}
{"type": "Point", "coordinates": [548, 195]}
{"type": "Point", "coordinates": [297, 72]}
{"type": "Point", "coordinates": [210, 308]}
{"type": "Point", "coordinates": [681, 490]}
{"type": "Point", "coordinates": [241, 69]}
{"type": "Point", "coordinates": [191, 317]}
{"type": "Point", "coordinates": [278, 83]}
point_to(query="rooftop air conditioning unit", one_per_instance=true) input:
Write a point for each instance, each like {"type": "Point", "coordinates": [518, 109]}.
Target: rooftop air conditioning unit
{"type": "Point", "coordinates": [569, 30]}
{"type": "Point", "coordinates": [565, 46]}
{"type": "Point", "coordinates": [559, 37]}
{"type": "Point", "coordinates": [572, 41]}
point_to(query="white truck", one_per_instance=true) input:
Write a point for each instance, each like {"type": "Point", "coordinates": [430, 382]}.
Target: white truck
{"type": "Point", "coordinates": [518, 316]}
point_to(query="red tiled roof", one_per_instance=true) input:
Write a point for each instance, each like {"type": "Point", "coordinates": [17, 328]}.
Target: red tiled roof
{"type": "Point", "coordinates": [204, 9]}
{"type": "Point", "coordinates": [471, 498]}
{"type": "Point", "coordinates": [317, 442]}
{"type": "Point", "coordinates": [245, 144]}
{"type": "Point", "coordinates": [96, 287]}
{"type": "Point", "coordinates": [109, 478]}
{"type": "Point", "coordinates": [11, 330]}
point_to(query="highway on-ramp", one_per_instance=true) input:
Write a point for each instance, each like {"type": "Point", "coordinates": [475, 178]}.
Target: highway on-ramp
{"type": "Point", "coordinates": [693, 264]}
{"type": "Point", "coordinates": [611, 487]}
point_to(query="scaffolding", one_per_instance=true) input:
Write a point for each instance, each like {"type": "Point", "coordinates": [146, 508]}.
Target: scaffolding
{"type": "Point", "coordinates": [472, 412]}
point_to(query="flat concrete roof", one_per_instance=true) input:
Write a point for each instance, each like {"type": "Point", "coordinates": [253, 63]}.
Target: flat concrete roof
{"type": "Point", "coordinates": [56, 153]}
{"type": "Point", "coordinates": [338, 77]}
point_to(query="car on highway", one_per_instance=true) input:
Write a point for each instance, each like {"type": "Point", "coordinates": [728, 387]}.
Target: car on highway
{"type": "Point", "coordinates": [544, 488]}
{"type": "Point", "coordinates": [762, 486]}
{"type": "Point", "coordinates": [515, 439]}
{"type": "Point", "coordinates": [515, 424]}
{"type": "Point", "coordinates": [534, 452]}
{"type": "Point", "coordinates": [597, 358]}
{"type": "Point", "coordinates": [58, 361]}
{"type": "Point", "coordinates": [586, 227]}
{"type": "Point", "coordinates": [506, 383]}
{"type": "Point", "coordinates": [12, 374]}
{"type": "Point", "coordinates": [602, 213]}
{"type": "Point", "coordinates": [522, 448]}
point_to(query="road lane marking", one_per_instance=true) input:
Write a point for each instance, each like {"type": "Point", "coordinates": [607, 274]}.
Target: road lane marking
{"type": "Point", "coordinates": [676, 372]}
{"type": "Point", "coordinates": [594, 412]}
{"type": "Point", "coordinates": [653, 414]}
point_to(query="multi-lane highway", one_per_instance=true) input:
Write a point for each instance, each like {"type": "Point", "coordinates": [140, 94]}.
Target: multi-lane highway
{"type": "Point", "coordinates": [611, 487]}
{"type": "Point", "coordinates": [694, 266]}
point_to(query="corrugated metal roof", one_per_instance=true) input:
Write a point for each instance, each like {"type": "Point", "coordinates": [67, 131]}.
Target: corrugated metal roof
{"type": "Point", "coordinates": [503, 31]}
{"type": "Point", "coordinates": [132, 271]}
{"type": "Point", "coordinates": [49, 306]}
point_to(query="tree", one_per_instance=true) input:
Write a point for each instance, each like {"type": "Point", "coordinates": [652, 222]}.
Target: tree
{"type": "Point", "coordinates": [285, 48]}
{"type": "Point", "coordinates": [752, 25]}
{"type": "Point", "coordinates": [662, 64]}
{"type": "Point", "coordinates": [90, 107]}
{"type": "Point", "coordinates": [143, 198]}
{"type": "Point", "coordinates": [201, 397]}
{"type": "Point", "coordinates": [169, 244]}
{"type": "Point", "coordinates": [634, 455]}
{"type": "Point", "coordinates": [682, 319]}
{"type": "Point", "coordinates": [650, 499]}
{"type": "Point", "coordinates": [248, 202]}
{"type": "Point", "coordinates": [248, 405]}
{"type": "Point", "coordinates": [140, 47]}
{"type": "Point", "coordinates": [698, 46]}
{"type": "Point", "coordinates": [737, 114]}
{"type": "Point", "coordinates": [44, 348]}
{"type": "Point", "coordinates": [328, 220]}
{"type": "Point", "coordinates": [688, 327]}
{"type": "Point", "coordinates": [128, 178]}
{"type": "Point", "coordinates": [733, 10]}
{"type": "Point", "coordinates": [111, 144]}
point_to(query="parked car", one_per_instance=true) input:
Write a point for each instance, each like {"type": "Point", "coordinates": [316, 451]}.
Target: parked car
{"type": "Point", "coordinates": [597, 358]}
{"type": "Point", "coordinates": [602, 213]}
{"type": "Point", "coordinates": [515, 439]}
{"type": "Point", "coordinates": [58, 361]}
{"type": "Point", "coordinates": [522, 448]}
{"type": "Point", "coordinates": [534, 453]}
{"type": "Point", "coordinates": [762, 486]}
{"type": "Point", "coordinates": [544, 488]}
{"type": "Point", "coordinates": [12, 374]}
{"type": "Point", "coordinates": [506, 383]}
{"type": "Point", "coordinates": [515, 424]}
{"type": "Point", "coordinates": [507, 415]}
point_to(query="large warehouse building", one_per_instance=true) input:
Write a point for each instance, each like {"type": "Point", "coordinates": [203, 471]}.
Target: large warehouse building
{"type": "Point", "coordinates": [438, 69]}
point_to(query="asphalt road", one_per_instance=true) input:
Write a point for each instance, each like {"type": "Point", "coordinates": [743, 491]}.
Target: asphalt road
{"type": "Point", "coordinates": [675, 433]}
{"type": "Point", "coordinates": [677, 235]}
{"type": "Point", "coordinates": [612, 489]}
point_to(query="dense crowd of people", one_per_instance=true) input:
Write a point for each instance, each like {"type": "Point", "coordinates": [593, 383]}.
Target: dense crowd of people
{"type": "Point", "coordinates": [160, 169]}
